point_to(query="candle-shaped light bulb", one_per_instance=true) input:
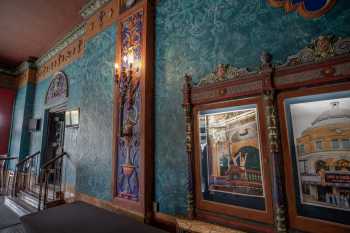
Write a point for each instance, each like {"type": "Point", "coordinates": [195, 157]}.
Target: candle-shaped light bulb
{"type": "Point", "coordinates": [125, 59]}
{"type": "Point", "coordinates": [130, 59]}
{"type": "Point", "coordinates": [116, 67]}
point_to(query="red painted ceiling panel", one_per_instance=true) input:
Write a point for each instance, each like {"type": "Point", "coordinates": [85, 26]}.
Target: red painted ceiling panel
{"type": "Point", "coordinates": [31, 27]}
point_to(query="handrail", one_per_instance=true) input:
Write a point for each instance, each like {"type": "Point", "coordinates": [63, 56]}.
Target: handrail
{"type": "Point", "coordinates": [53, 173]}
{"type": "Point", "coordinates": [45, 165]}
{"type": "Point", "coordinates": [27, 158]}
{"type": "Point", "coordinates": [8, 158]}
{"type": "Point", "coordinates": [25, 176]}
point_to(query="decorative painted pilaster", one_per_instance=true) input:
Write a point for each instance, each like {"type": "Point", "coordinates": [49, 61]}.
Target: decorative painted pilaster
{"type": "Point", "coordinates": [273, 143]}
{"type": "Point", "coordinates": [189, 144]}
{"type": "Point", "coordinates": [275, 155]}
{"type": "Point", "coordinates": [129, 89]}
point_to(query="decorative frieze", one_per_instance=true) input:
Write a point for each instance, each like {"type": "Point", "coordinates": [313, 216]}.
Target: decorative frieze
{"type": "Point", "coordinates": [227, 91]}
{"type": "Point", "coordinates": [320, 49]}
{"type": "Point", "coordinates": [102, 18]}
{"type": "Point", "coordinates": [64, 57]}
{"type": "Point", "coordinates": [91, 7]}
{"type": "Point", "coordinates": [222, 73]}
{"type": "Point", "coordinates": [72, 36]}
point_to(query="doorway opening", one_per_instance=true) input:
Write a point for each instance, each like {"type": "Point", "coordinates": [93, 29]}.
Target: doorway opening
{"type": "Point", "coordinates": [55, 135]}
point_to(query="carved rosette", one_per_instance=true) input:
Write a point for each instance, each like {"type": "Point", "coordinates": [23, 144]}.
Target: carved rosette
{"type": "Point", "coordinates": [222, 73]}
{"type": "Point", "coordinates": [189, 144]}
{"type": "Point", "coordinates": [273, 139]}
{"type": "Point", "coordinates": [320, 49]}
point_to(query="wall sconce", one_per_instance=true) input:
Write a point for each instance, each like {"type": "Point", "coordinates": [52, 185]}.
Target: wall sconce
{"type": "Point", "coordinates": [122, 72]}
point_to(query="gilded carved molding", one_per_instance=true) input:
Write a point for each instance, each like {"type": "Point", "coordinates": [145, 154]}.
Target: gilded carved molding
{"type": "Point", "coordinates": [92, 7]}
{"type": "Point", "coordinates": [274, 149]}
{"type": "Point", "coordinates": [72, 36]}
{"type": "Point", "coordinates": [64, 57]}
{"type": "Point", "coordinates": [222, 73]}
{"type": "Point", "coordinates": [102, 18]}
{"type": "Point", "coordinates": [320, 49]}
{"type": "Point", "coordinates": [187, 105]}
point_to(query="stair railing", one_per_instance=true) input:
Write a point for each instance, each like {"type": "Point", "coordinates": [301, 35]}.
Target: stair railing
{"type": "Point", "coordinates": [51, 190]}
{"type": "Point", "coordinates": [26, 174]}
{"type": "Point", "coordinates": [6, 175]}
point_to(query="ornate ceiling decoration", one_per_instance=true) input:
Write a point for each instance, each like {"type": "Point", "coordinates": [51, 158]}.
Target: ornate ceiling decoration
{"type": "Point", "coordinates": [307, 8]}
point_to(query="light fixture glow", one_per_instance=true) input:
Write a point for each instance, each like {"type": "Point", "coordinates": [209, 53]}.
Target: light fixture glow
{"type": "Point", "coordinates": [125, 59]}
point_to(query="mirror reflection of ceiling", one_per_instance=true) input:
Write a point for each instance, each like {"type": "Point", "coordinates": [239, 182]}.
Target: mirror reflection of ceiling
{"type": "Point", "coordinates": [29, 28]}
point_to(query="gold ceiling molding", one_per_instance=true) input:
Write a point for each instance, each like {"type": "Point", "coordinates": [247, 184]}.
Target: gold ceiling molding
{"type": "Point", "coordinates": [64, 57]}
{"type": "Point", "coordinates": [102, 18]}
{"type": "Point", "coordinates": [92, 7]}
{"type": "Point", "coordinates": [73, 35]}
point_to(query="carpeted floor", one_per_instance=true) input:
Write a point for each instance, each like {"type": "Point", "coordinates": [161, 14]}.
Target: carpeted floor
{"type": "Point", "coordinates": [14, 229]}
{"type": "Point", "coordinates": [7, 217]}
{"type": "Point", "coordinates": [80, 217]}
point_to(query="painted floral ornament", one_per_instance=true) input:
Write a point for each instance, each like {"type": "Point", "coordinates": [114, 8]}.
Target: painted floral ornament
{"type": "Point", "coordinates": [306, 8]}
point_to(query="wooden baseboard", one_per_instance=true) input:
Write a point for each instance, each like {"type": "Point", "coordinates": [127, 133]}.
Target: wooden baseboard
{"type": "Point", "coordinates": [160, 220]}
{"type": "Point", "coordinates": [164, 221]}
{"type": "Point", "coordinates": [108, 206]}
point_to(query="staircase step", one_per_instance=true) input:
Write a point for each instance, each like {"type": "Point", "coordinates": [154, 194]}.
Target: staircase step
{"type": "Point", "coordinates": [30, 198]}
{"type": "Point", "coordinates": [20, 207]}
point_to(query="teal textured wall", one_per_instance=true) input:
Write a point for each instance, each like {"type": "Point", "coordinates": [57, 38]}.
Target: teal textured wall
{"type": "Point", "coordinates": [19, 143]}
{"type": "Point", "coordinates": [89, 166]}
{"type": "Point", "coordinates": [17, 122]}
{"type": "Point", "coordinates": [193, 36]}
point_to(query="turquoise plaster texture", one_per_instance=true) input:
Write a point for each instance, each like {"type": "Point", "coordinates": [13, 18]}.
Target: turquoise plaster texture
{"type": "Point", "coordinates": [88, 166]}
{"type": "Point", "coordinates": [194, 36]}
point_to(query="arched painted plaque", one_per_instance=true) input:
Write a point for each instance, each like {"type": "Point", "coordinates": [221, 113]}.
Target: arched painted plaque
{"type": "Point", "coordinates": [306, 8]}
{"type": "Point", "coordinates": [58, 89]}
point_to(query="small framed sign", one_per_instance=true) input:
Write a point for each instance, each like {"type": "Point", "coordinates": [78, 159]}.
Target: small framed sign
{"type": "Point", "coordinates": [72, 118]}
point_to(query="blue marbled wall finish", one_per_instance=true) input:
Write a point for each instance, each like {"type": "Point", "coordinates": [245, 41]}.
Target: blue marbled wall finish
{"type": "Point", "coordinates": [90, 78]}
{"type": "Point", "coordinates": [28, 110]}
{"type": "Point", "coordinates": [17, 123]}
{"type": "Point", "coordinates": [92, 89]}
{"type": "Point", "coordinates": [19, 144]}
{"type": "Point", "coordinates": [193, 36]}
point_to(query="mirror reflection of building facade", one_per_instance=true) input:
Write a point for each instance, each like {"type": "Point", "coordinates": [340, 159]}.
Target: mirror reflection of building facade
{"type": "Point", "coordinates": [324, 159]}
{"type": "Point", "coordinates": [233, 153]}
